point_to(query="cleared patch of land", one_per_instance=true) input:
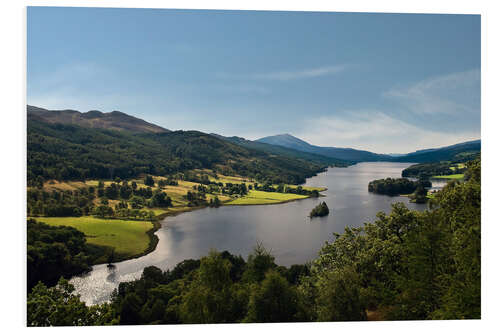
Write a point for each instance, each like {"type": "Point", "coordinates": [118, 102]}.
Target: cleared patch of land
{"type": "Point", "coordinates": [128, 238]}
{"type": "Point", "coordinates": [455, 176]}
{"type": "Point", "coordinates": [264, 198]}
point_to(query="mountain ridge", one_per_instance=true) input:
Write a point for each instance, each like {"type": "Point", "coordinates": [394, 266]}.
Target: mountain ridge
{"type": "Point", "coordinates": [348, 154]}
{"type": "Point", "coordinates": [115, 120]}
{"type": "Point", "coordinates": [280, 150]}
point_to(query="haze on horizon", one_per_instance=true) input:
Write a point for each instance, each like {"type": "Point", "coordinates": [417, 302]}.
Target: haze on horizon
{"type": "Point", "coordinates": [388, 83]}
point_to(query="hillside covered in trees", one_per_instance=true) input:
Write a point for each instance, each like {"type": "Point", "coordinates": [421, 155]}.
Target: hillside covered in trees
{"type": "Point", "coordinates": [406, 265]}
{"type": "Point", "coordinates": [71, 152]}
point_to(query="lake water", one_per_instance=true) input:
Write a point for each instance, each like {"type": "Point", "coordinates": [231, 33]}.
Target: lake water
{"type": "Point", "coordinates": [285, 229]}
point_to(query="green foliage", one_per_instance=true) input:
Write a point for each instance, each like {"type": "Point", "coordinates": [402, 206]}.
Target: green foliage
{"type": "Point", "coordinates": [54, 252]}
{"type": "Point", "coordinates": [416, 265]}
{"type": "Point", "coordinates": [442, 168]}
{"type": "Point", "coordinates": [339, 296]}
{"type": "Point", "coordinates": [320, 210]}
{"type": "Point", "coordinates": [59, 203]}
{"type": "Point", "coordinates": [69, 152]}
{"type": "Point", "coordinates": [260, 261]}
{"type": "Point", "coordinates": [274, 300]}
{"type": "Point", "coordinates": [58, 306]}
{"type": "Point", "coordinates": [396, 186]}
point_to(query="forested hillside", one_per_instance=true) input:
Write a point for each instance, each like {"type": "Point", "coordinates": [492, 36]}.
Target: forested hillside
{"type": "Point", "coordinates": [70, 152]}
{"type": "Point", "coordinates": [454, 152]}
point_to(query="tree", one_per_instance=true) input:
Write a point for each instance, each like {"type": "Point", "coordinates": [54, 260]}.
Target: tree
{"type": "Point", "coordinates": [272, 301]}
{"type": "Point", "coordinates": [148, 181]}
{"type": "Point", "coordinates": [339, 296]}
{"type": "Point", "coordinates": [208, 299]}
{"type": "Point", "coordinates": [160, 199]}
{"type": "Point", "coordinates": [258, 263]}
{"type": "Point", "coordinates": [130, 308]}
{"type": "Point", "coordinates": [58, 306]}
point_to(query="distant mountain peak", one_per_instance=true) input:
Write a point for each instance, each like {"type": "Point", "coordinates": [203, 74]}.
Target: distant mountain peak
{"type": "Point", "coordinates": [348, 154]}
{"type": "Point", "coordinates": [115, 120]}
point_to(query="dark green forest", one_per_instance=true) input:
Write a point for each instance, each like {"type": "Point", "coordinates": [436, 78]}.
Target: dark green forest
{"type": "Point", "coordinates": [69, 152]}
{"type": "Point", "coordinates": [396, 186]}
{"type": "Point", "coordinates": [55, 252]}
{"type": "Point", "coordinates": [441, 168]}
{"type": "Point", "coordinates": [405, 265]}
{"type": "Point", "coordinates": [320, 210]}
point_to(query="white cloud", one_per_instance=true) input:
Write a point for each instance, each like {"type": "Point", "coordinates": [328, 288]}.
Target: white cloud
{"type": "Point", "coordinates": [377, 132]}
{"type": "Point", "coordinates": [289, 75]}
{"type": "Point", "coordinates": [455, 93]}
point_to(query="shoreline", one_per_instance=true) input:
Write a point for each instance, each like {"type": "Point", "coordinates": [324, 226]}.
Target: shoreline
{"type": "Point", "coordinates": [157, 224]}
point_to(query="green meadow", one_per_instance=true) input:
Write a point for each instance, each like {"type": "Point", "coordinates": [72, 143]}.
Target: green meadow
{"type": "Point", "coordinates": [455, 176]}
{"type": "Point", "coordinates": [128, 238]}
{"type": "Point", "coordinates": [264, 198]}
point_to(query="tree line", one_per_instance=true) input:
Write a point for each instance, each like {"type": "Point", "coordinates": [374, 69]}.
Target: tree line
{"type": "Point", "coordinates": [397, 186]}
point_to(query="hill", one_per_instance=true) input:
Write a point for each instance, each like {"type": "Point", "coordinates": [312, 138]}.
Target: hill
{"type": "Point", "coordinates": [115, 120]}
{"type": "Point", "coordinates": [281, 150]}
{"type": "Point", "coordinates": [348, 154]}
{"type": "Point", "coordinates": [73, 152]}
{"type": "Point", "coordinates": [448, 153]}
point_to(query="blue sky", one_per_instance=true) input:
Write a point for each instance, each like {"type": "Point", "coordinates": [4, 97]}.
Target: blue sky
{"type": "Point", "coordinates": [382, 82]}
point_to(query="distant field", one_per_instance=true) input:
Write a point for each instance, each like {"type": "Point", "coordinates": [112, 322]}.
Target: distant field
{"type": "Point", "coordinates": [309, 188]}
{"type": "Point", "coordinates": [459, 166]}
{"type": "Point", "coordinates": [262, 198]}
{"type": "Point", "coordinates": [455, 176]}
{"type": "Point", "coordinates": [129, 238]}
{"type": "Point", "coordinates": [178, 192]}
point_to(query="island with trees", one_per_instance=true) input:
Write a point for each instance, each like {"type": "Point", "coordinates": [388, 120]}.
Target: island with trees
{"type": "Point", "coordinates": [396, 186]}
{"type": "Point", "coordinates": [320, 210]}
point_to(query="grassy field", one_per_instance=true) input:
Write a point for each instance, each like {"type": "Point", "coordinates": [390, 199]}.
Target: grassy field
{"type": "Point", "coordinates": [458, 165]}
{"type": "Point", "coordinates": [129, 238]}
{"type": "Point", "coordinates": [265, 198]}
{"type": "Point", "coordinates": [309, 188]}
{"type": "Point", "coordinates": [455, 176]}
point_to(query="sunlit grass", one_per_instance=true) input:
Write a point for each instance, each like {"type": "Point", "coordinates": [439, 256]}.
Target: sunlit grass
{"type": "Point", "coordinates": [127, 237]}
{"type": "Point", "coordinates": [260, 198]}
{"type": "Point", "coordinates": [455, 176]}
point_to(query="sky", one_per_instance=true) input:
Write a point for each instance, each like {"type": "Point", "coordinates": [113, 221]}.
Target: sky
{"type": "Point", "coordinates": [388, 83]}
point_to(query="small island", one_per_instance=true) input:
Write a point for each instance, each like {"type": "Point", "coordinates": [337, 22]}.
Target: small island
{"type": "Point", "coordinates": [320, 210]}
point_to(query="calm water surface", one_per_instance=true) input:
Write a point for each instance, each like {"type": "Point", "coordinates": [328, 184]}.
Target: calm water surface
{"type": "Point", "coordinates": [285, 229]}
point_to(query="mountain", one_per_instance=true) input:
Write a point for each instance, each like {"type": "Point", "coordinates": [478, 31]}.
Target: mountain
{"type": "Point", "coordinates": [280, 150]}
{"type": "Point", "coordinates": [348, 154]}
{"type": "Point", "coordinates": [447, 153]}
{"type": "Point", "coordinates": [70, 152]}
{"type": "Point", "coordinates": [115, 120]}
